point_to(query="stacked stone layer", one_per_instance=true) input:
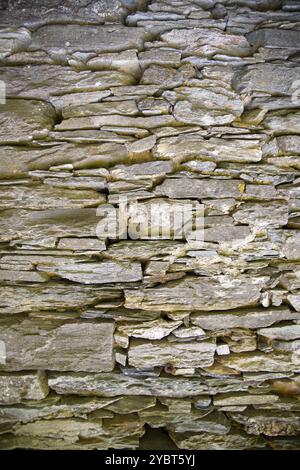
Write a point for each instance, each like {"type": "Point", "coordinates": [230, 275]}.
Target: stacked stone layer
{"type": "Point", "coordinates": [106, 341]}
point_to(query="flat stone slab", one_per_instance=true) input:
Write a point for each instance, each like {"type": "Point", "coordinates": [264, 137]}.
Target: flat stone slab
{"type": "Point", "coordinates": [15, 388]}
{"type": "Point", "coordinates": [248, 318]}
{"type": "Point", "coordinates": [85, 346]}
{"type": "Point", "coordinates": [39, 12]}
{"type": "Point", "coordinates": [107, 272]}
{"type": "Point", "coordinates": [73, 37]}
{"type": "Point", "coordinates": [196, 294]}
{"type": "Point", "coordinates": [148, 354]}
{"type": "Point", "coordinates": [36, 81]}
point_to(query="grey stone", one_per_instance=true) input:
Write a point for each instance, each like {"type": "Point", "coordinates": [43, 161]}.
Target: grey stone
{"type": "Point", "coordinates": [114, 384]}
{"type": "Point", "coordinates": [81, 244]}
{"type": "Point", "coordinates": [138, 171]}
{"type": "Point", "coordinates": [268, 423]}
{"type": "Point", "coordinates": [243, 399]}
{"type": "Point", "coordinates": [60, 222]}
{"type": "Point", "coordinates": [40, 12]}
{"type": "Point", "coordinates": [21, 120]}
{"type": "Point", "coordinates": [258, 361]}
{"type": "Point", "coordinates": [26, 386]}
{"type": "Point", "coordinates": [253, 318]}
{"type": "Point", "coordinates": [49, 434]}
{"type": "Point", "coordinates": [52, 297]}
{"type": "Point", "coordinates": [262, 214]}
{"type": "Point", "coordinates": [151, 354]}
{"type": "Point", "coordinates": [270, 37]}
{"type": "Point", "coordinates": [95, 273]}
{"type": "Point", "coordinates": [46, 197]}
{"type": "Point", "coordinates": [198, 188]}
{"type": "Point", "coordinates": [143, 250]}
{"type": "Point", "coordinates": [214, 149]}
{"type": "Point", "coordinates": [161, 56]}
{"type": "Point", "coordinates": [286, 123]}
{"type": "Point", "coordinates": [128, 108]}
{"type": "Point", "coordinates": [285, 333]}
{"type": "Point", "coordinates": [206, 107]}
{"type": "Point", "coordinates": [13, 40]}
{"type": "Point", "coordinates": [196, 294]}
{"type": "Point", "coordinates": [86, 346]}
{"type": "Point", "coordinates": [95, 122]}
{"type": "Point", "coordinates": [227, 234]}
{"type": "Point", "coordinates": [56, 408]}
{"type": "Point", "coordinates": [36, 81]}
{"type": "Point", "coordinates": [83, 38]}
{"type": "Point", "coordinates": [203, 441]}
{"type": "Point", "coordinates": [154, 330]}
{"type": "Point", "coordinates": [294, 300]}
{"type": "Point", "coordinates": [273, 79]}
{"type": "Point", "coordinates": [165, 77]}
{"type": "Point", "coordinates": [206, 42]}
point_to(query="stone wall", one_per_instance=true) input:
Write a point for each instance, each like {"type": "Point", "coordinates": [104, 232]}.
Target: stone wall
{"type": "Point", "coordinates": [164, 101]}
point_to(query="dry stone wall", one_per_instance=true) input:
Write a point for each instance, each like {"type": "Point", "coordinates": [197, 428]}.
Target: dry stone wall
{"type": "Point", "coordinates": [105, 341]}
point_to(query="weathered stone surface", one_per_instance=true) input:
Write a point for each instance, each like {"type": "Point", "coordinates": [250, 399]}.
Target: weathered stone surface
{"type": "Point", "coordinates": [86, 346]}
{"type": "Point", "coordinates": [269, 423]}
{"type": "Point", "coordinates": [21, 120]}
{"type": "Point", "coordinates": [56, 408]}
{"type": "Point", "coordinates": [246, 318]}
{"type": "Point", "coordinates": [116, 107]}
{"type": "Point", "coordinates": [18, 387]}
{"type": "Point", "coordinates": [95, 273]}
{"type": "Point", "coordinates": [46, 197]}
{"type": "Point", "coordinates": [161, 336]}
{"type": "Point", "coordinates": [187, 188]}
{"type": "Point", "coordinates": [13, 39]}
{"type": "Point", "coordinates": [165, 77]}
{"type": "Point", "coordinates": [196, 294]}
{"type": "Point", "coordinates": [40, 12]}
{"type": "Point", "coordinates": [256, 79]}
{"type": "Point", "coordinates": [286, 123]}
{"type": "Point", "coordinates": [257, 361]}
{"type": "Point", "coordinates": [139, 171]}
{"type": "Point", "coordinates": [36, 82]}
{"type": "Point", "coordinates": [206, 107]}
{"type": "Point", "coordinates": [99, 39]}
{"type": "Point", "coordinates": [161, 56]}
{"type": "Point", "coordinates": [203, 441]}
{"type": "Point", "coordinates": [141, 147]}
{"type": "Point", "coordinates": [225, 233]}
{"type": "Point", "coordinates": [12, 276]}
{"type": "Point", "coordinates": [52, 297]}
{"type": "Point", "coordinates": [143, 250]}
{"type": "Point", "coordinates": [95, 122]}
{"type": "Point", "coordinates": [81, 244]}
{"type": "Point", "coordinates": [243, 399]}
{"type": "Point", "coordinates": [206, 42]}
{"type": "Point", "coordinates": [294, 300]}
{"type": "Point", "coordinates": [143, 354]}
{"type": "Point", "coordinates": [127, 61]}
{"type": "Point", "coordinates": [217, 150]}
{"type": "Point", "coordinates": [147, 383]}
{"type": "Point", "coordinates": [153, 330]}
{"type": "Point", "coordinates": [110, 385]}
{"type": "Point", "coordinates": [176, 421]}
{"type": "Point", "coordinates": [274, 38]}
{"type": "Point", "coordinates": [262, 214]}
{"type": "Point", "coordinates": [67, 434]}
{"type": "Point", "coordinates": [285, 333]}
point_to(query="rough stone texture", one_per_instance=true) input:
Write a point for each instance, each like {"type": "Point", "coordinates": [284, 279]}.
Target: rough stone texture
{"type": "Point", "coordinates": [85, 346]}
{"type": "Point", "coordinates": [107, 334]}
{"type": "Point", "coordinates": [19, 387]}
